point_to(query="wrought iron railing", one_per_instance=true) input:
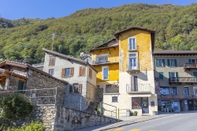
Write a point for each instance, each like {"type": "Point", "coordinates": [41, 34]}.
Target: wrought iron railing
{"type": "Point", "coordinates": [190, 65]}
{"type": "Point", "coordinates": [183, 80]}
{"type": "Point", "coordinates": [138, 87]}
{"type": "Point", "coordinates": [179, 96]}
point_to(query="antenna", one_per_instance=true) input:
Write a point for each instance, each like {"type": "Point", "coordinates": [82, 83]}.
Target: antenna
{"type": "Point", "coordinates": [53, 38]}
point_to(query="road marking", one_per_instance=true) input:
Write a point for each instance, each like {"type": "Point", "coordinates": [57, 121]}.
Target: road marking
{"type": "Point", "coordinates": [135, 130]}
{"type": "Point", "coordinates": [116, 129]}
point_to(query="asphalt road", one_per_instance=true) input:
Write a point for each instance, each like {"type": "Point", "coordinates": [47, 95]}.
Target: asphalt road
{"type": "Point", "coordinates": [176, 122]}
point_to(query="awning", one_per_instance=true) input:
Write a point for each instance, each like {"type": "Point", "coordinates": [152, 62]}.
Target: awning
{"type": "Point", "coordinates": [140, 95]}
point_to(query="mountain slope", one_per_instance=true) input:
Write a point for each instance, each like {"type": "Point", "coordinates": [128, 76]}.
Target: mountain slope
{"type": "Point", "coordinates": [23, 39]}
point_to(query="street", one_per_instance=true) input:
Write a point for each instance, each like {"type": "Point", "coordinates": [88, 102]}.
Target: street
{"type": "Point", "coordinates": [176, 122]}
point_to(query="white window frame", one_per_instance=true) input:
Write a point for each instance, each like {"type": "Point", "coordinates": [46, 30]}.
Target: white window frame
{"type": "Point", "coordinates": [129, 44]}
{"type": "Point", "coordinates": [103, 72]}
{"type": "Point", "coordinates": [100, 56]}
{"type": "Point", "coordinates": [136, 67]}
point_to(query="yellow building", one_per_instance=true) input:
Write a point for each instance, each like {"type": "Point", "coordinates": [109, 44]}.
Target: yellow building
{"type": "Point", "coordinates": [126, 71]}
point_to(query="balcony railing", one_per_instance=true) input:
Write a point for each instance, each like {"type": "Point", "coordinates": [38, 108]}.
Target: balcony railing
{"type": "Point", "coordinates": [138, 88]}
{"type": "Point", "coordinates": [108, 61]}
{"type": "Point", "coordinates": [179, 80]}
{"type": "Point", "coordinates": [190, 66]}
{"type": "Point", "coordinates": [183, 96]}
{"type": "Point", "coordinates": [133, 68]}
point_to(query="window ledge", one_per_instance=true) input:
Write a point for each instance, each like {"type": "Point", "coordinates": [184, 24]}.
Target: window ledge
{"type": "Point", "coordinates": [132, 50]}
{"type": "Point", "coordinates": [111, 93]}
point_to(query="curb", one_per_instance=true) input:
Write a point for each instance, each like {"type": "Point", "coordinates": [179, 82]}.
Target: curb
{"type": "Point", "coordinates": [129, 123]}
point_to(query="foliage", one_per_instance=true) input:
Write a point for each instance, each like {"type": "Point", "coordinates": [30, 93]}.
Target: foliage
{"type": "Point", "coordinates": [14, 107]}
{"type": "Point", "coordinates": [135, 112]}
{"type": "Point", "coordinates": [23, 39]}
{"type": "Point", "coordinates": [33, 126]}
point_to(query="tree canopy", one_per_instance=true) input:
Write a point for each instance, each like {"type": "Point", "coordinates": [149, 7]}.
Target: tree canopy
{"type": "Point", "coordinates": [23, 39]}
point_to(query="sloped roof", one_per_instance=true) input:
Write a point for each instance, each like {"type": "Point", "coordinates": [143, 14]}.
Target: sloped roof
{"type": "Point", "coordinates": [69, 58]}
{"type": "Point", "coordinates": [27, 66]}
{"type": "Point", "coordinates": [173, 52]}
{"type": "Point", "coordinates": [111, 43]}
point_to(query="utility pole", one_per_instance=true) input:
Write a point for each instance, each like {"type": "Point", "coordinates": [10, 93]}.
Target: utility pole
{"type": "Point", "coordinates": [53, 38]}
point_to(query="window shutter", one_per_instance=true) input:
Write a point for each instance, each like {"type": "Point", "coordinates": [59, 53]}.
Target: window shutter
{"type": "Point", "coordinates": [195, 74]}
{"type": "Point", "coordinates": [190, 60]}
{"type": "Point", "coordinates": [71, 71]}
{"type": "Point", "coordinates": [177, 75]}
{"type": "Point", "coordinates": [80, 70]}
{"type": "Point", "coordinates": [163, 62]}
{"type": "Point", "coordinates": [160, 75]}
{"type": "Point", "coordinates": [63, 72]}
{"type": "Point", "coordinates": [84, 71]}
{"type": "Point", "coordinates": [156, 61]}
{"type": "Point", "coordinates": [80, 88]}
{"type": "Point", "coordinates": [90, 73]}
{"type": "Point", "coordinates": [175, 62]}
{"type": "Point", "coordinates": [169, 73]}
{"type": "Point", "coordinates": [168, 62]}
{"type": "Point", "coordinates": [52, 60]}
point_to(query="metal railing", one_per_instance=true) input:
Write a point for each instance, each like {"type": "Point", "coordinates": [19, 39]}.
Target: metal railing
{"type": "Point", "coordinates": [138, 87]}
{"type": "Point", "coordinates": [179, 96]}
{"type": "Point", "coordinates": [183, 80]}
{"type": "Point", "coordinates": [190, 65]}
{"type": "Point", "coordinates": [45, 96]}
{"type": "Point", "coordinates": [90, 105]}
{"type": "Point", "coordinates": [109, 60]}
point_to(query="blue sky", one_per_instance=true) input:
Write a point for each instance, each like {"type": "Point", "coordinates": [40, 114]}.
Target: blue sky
{"type": "Point", "coordinates": [16, 9]}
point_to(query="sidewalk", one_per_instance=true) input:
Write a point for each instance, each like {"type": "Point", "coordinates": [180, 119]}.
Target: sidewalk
{"type": "Point", "coordinates": [124, 121]}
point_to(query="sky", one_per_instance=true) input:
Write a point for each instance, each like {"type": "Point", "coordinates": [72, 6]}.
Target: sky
{"type": "Point", "coordinates": [16, 9]}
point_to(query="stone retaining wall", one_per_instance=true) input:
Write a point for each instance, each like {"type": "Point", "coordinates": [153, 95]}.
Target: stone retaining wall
{"type": "Point", "coordinates": [59, 118]}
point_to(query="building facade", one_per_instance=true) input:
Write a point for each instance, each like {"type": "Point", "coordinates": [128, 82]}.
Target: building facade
{"type": "Point", "coordinates": [126, 70]}
{"type": "Point", "coordinates": [79, 74]}
{"type": "Point", "coordinates": [176, 80]}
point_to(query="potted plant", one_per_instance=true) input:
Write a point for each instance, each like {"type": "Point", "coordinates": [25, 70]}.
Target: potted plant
{"type": "Point", "coordinates": [135, 113]}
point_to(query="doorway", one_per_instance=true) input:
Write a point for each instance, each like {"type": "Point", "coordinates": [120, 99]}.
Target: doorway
{"type": "Point", "coordinates": [145, 107]}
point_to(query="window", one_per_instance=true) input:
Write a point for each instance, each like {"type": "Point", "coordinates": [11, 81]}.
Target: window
{"type": "Point", "coordinates": [192, 60]}
{"type": "Point", "coordinates": [20, 85]}
{"type": "Point", "coordinates": [186, 91]}
{"type": "Point", "coordinates": [172, 62]}
{"type": "Point", "coordinates": [52, 60]}
{"type": "Point", "coordinates": [195, 92]}
{"type": "Point", "coordinates": [133, 61]}
{"type": "Point", "coordinates": [105, 73]}
{"type": "Point", "coordinates": [161, 75]}
{"type": "Point", "coordinates": [67, 72]}
{"type": "Point", "coordinates": [82, 71]}
{"type": "Point", "coordinates": [111, 89]}
{"type": "Point", "coordinates": [70, 88]}
{"type": "Point", "coordinates": [102, 58]}
{"type": "Point", "coordinates": [174, 90]}
{"type": "Point", "coordinates": [51, 71]}
{"type": "Point", "coordinates": [90, 73]}
{"type": "Point", "coordinates": [77, 88]}
{"type": "Point", "coordinates": [132, 44]}
{"type": "Point", "coordinates": [114, 99]}
{"type": "Point", "coordinates": [160, 62]}
{"type": "Point", "coordinates": [164, 90]}
{"type": "Point", "coordinates": [136, 102]}
{"type": "Point", "coordinates": [173, 76]}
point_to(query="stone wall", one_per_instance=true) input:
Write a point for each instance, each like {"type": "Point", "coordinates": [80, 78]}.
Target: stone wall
{"type": "Point", "coordinates": [59, 118]}
{"type": "Point", "coordinates": [39, 81]}
{"type": "Point", "coordinates": [69, 119]}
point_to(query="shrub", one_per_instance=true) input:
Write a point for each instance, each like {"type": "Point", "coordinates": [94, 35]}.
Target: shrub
{"type": "Point", "coordinates": [15, 106]}
{"type": "Point", "coordinates": [33, 126]}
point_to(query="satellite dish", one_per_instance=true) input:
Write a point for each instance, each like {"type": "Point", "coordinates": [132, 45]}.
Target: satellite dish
{"type": "Point", "coordinates": [82, 54]}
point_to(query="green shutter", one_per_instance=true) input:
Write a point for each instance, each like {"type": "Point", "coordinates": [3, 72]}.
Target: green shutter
{"type": "Point", "coordinates": [168, 62]}
{"type": "Point", "coordinates": [190, 60]}
{"type": "Point", "coordinates": [169, 73]}
{"type": "Point", "coordinates": [177, 75]}
{"type": "Point", "coordinates": [175, 62]}
{"type": "Point", "coordinates": [195, 74]}
{"type": "Point", "coordinates": [163, 62]}
{"type": "Point", "coordinates": [20, 85]}
{"type": "Point", "coordinates": [156, 61]}
{"type": "Point", "coordinates": [160, 75]}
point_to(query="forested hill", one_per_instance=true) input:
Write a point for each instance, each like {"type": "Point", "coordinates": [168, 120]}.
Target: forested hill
{"type": "Point", "coordinates": [23, 39]}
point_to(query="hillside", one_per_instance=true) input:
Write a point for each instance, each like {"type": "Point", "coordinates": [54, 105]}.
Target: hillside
{"type": "Point", "coordinates": [23, 39]}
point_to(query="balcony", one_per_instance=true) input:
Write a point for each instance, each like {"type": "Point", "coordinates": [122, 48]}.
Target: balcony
{"type": "Point", "coordinates": [189, 66]}
{"type": "Point", "coordinates": [133, 69]}
{"type": "Point", "coordinates": [180, 80]}
{"type": "Point", "coordinates": [138, 88]}
{"type": "Point", "coordinates": [176, 97]}
{"type": "Point", "coordinates": [107, 61]}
